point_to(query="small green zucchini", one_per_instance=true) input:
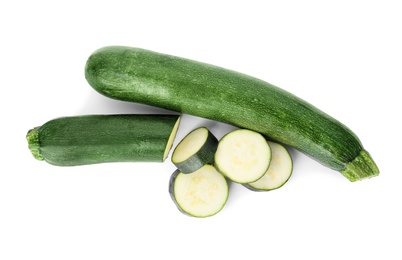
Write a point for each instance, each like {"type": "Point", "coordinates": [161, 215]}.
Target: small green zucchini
{"type": "Point", "coordinates": [191, 87]}
{"type": "Point", "coordinates": [90, 139]}
{"type": "Point", "coordinates": [195, 150]}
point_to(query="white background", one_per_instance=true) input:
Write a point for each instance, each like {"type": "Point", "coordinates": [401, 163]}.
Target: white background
{"type": "Point", "coordinates": [342, 56]}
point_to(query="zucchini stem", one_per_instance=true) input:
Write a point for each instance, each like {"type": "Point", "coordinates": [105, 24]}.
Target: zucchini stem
{"type": "Point", "coordinates": [362, 167]}
{"type": "Point", "coordinates": [33, 143]}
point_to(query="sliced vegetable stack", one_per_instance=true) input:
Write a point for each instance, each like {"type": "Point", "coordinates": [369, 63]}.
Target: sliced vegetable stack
{"type": "Point", "coordinates": [196, 187]}
{"type": "Point", "coordinates": [242, 156]}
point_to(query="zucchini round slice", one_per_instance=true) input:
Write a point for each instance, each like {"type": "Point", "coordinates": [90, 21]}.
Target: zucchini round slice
{"type": "Point", "coordinates": [201, 194]}
{"type": "Point", "coordinates": [243, 156]}
{"type": "Point", "coordinates": [279, 171]}
{"type": "Point", "coordinates": [195, 150]}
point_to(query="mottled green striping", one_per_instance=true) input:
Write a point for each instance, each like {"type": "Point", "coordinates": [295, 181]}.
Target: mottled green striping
{"type": "Point", "coordinates": [81, 140]}
{"type": "Point", "coordinates": [216, 93]}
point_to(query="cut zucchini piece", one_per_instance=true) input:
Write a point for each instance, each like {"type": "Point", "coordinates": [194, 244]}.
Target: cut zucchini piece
{"type": "Point", "coordinates": [201, 194]}
{"type": "Point", "coordinates": [195, 150]}
{"type": "Point", "coordinates": [243, 156]}
{"type": "Point", "coordinates": [91, 139]}
{"type": "Point", "coordinates": [279, 171]}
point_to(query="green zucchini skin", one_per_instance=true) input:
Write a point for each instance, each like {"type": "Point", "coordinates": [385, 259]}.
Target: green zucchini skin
{"type": "Point", "coordinates": [204, 90]}
{"type": "Point", "coordinates": [91, 139]}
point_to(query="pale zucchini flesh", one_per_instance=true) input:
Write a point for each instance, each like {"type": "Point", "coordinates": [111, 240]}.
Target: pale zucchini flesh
{"type": "Point", "coordinates": [243, 156]}
{"type": "Point", "coordinates": [201, 194]}
{"type": "Point", "coordinates": [195, 150]}
{"type": "Point", "coordinates": [191, 144]}
{"type": "Point", "coordinates": [279, 170]}
{"type": "Point", "coordinates": [171, 138]}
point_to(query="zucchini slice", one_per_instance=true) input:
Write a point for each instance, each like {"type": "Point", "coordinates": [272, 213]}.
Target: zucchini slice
{"type": "Point", "coordinates": [195, 150]}
{"type": "Point", "coordinates": [200, 194]}
{"type": "Point", "coordinates": [90, 139]}
{"type": "Point", "coordinates": [243, 156]}
{"type": "Point", "coordinates": [279, 171]}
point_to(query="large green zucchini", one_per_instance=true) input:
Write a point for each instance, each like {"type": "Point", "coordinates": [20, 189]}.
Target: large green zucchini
{"type": "Point", "coordinates": [90, 139]}
{"type": "Point", "coordinates": [208, 91]}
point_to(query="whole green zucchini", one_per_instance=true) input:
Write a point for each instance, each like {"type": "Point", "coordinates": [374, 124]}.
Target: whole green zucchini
{"type": "Point", "coordinates": [90, 139]}
{"type": "Point", "coordinates": [208, 91]}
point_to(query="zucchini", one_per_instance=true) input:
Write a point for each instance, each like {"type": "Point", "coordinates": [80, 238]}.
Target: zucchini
{"type": "Point", "coordinates": [138, 75]}
{"type": "Point", "coordinates": [90, 139]}
{"type": "Point", "coordinates": [243, 156]}
{"type": "Point", "coordinates": [279, 170]}
{"type": "Point", "coordinates": [195, 150]}
{"type": "Point", "coordinates": [201, 194]}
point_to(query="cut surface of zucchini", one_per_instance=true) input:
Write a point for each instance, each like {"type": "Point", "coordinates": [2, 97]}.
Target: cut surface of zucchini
{"type": "Point", "coordinates": [202, 193]}
{"type": "Point", "coordinates": [243, 156]}
{"type": "Point", "coordinates": [171, 139]}
{"type": "Point", "coordinates": [195, 150]}
{"type": "Point", "coordinates": [279, 171]}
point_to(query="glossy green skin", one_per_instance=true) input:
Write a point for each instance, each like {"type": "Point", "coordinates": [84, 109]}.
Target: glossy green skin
{"type": "Point", "coordinates": [204, 90]}
{"type": "Point", "coordinates": [82, 140]}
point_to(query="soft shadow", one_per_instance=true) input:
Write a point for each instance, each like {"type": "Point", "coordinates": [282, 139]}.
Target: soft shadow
{"type": "Point", "coordinates": [96, 103]}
